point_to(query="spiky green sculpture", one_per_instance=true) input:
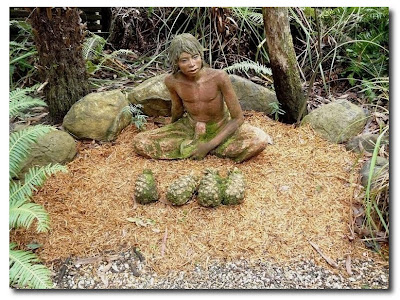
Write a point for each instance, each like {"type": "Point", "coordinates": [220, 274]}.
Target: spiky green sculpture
{"type": "Point", "coordinates": [146, 188]}
{"type": "Point", "coordinates": [210, 189]}
{"type": "Point", "coordinates": [182, 189]}
{"type": "Point", "coordinates": [234, 188]}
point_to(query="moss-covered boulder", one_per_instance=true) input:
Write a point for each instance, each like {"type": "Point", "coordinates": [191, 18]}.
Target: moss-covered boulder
{"type": "Point", "coordinates": [53, 147]}
{"type": "Point", "coordinates": [337, 121]}
{"type": "Point", "coordinates": [146, 188]}
{"type": "Point", "coordinates": [98, 116]}
{"type": "Point", "coordinates": [154, 96]}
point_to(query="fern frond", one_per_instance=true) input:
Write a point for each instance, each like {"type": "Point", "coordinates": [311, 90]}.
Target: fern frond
{"type": "Point", "coordinates": [256, 18]}
{"type": "Point", "coordinates": [19, 100]}
{"type": "Point", "coordinates": [20, 93]}
{"type": "Point", "coordinates": [23, 215]}
{"type": "Point", "coordinates": [247, 65]}
{"type": "Point", "coordinates": [35, 177]}
{"type": "Point", "coordinates": [93, 46]}
{"type": "Point", "coordinates": [17, 106]}
{"type": "Point", "coordinates": [20, 144]}
{"type": "Point", "coordinates": [24, 270]}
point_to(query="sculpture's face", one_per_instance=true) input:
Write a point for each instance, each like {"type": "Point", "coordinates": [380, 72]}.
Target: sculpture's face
{"type": "Point", "coordinates": [189, 64]}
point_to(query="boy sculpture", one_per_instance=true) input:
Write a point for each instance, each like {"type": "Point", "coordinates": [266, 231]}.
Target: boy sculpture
{"type": "Point", "coordinates": [206, 114]}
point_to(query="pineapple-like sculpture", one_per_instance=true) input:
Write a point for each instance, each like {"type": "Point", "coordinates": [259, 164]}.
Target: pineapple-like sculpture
{"type": "Point", "coordinates": [234, 188]}
{"type": "Point", "coordinates": [210, 189]}
{"type": "Point", "coordinates": [146, 188]}
{"type": "Point", "coordinates": [182, 189]}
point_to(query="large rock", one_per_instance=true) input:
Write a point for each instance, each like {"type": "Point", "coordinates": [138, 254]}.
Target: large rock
{"type": "Point", "coordinates": [98, 116]}
{"type": "Point", "coordinates": [380, 172]}
{"type": "Point", "coordinates": [253, 96]}
{"type": "Point", "coordinates": [154, 96]}
{"type": "Point", "coordinates": [53, 147]}
{"type": "Point", "coordinates": [337, 121]}
{"type": "Point", "coordinates": [365, 142]}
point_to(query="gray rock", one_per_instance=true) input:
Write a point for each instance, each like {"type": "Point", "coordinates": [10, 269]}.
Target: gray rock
{"type": "Point", "coordinates": [53, 147]}
{"type": "Point", "coordinates": [253, 96]}
{"type": "Point", "coordinates": [381, 172]}
{"type": "Point", "coordinates": [365, 142]}
{"type": "Point", "coordinates": [154, 96]}
{"type": "Point", "coordinates": [98, 116]}
{"type": "Point", "coordinates": [337, 121]}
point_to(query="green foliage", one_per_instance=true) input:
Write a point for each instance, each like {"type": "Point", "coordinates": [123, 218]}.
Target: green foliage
{"type": "Point", "coordinates": [376, 195]}
{"type": "Point", "coordinates": [276, 110]}
{"type": "Point", "coordinates": [22, 213]}
{"type": "Point", "coordinates": [357, 39]}
{"type": "Point", "coordinates": [25, 270]}
{"type": "Point", "coordinates": [138, 118]}
{"type": "Point", "coordinates": [119, 62]}
{"type": "Point", "coordinates": [19, 146]}
{"type": "Point", "coordinates": [368, 55]}
{"type": "Point", "coordinates": [251, 21]}
{"type": "Point", "coordinates": [22, 53]}
{"type": "Point", "coordinates": [20, 101]}
{"type": "Point", "coordinates": [93, 47]}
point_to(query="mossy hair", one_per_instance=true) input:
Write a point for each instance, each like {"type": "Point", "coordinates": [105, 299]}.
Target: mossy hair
{"type": "Point", "coordinates": [184, 42]}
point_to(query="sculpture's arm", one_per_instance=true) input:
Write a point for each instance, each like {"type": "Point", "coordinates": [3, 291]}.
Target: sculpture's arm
{"type": "Point", "coordinates": [177, 108]}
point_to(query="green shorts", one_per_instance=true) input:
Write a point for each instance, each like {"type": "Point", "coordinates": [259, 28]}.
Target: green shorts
{"type": "Point", "coordinates": [179, 140]}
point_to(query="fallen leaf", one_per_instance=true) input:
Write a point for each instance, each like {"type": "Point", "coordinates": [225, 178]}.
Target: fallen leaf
{"type": "Point", "coordinates": [34, 246]}
{"type": "Point", "coordinates": [141, 222]}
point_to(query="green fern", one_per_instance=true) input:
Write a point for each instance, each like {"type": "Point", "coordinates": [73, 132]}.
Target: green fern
{"type": "Point", "coordinates": [249, 65]}
{"type": "Point", "coordinates": [19, 146]}
{"type": "Point", "coordinates": [20, 101]}
{"type": "Point", "coordinates": [25, 270]}
{"type": "Point", "coordinates": [93, 47]}
{"type": "Point", "coordinates": [35, 176]}
{"type": "Point", "coordinates": [24, 214]}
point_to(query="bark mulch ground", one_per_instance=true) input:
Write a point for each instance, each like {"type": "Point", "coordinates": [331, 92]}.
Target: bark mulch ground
{"type": "Point", "coordinates": [298, 203]}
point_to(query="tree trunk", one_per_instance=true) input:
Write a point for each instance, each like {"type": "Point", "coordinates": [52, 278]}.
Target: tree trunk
{"type": "Point", "coordinates": [283, 63]}
{"type": "Point", "coordinates": [58, 35]}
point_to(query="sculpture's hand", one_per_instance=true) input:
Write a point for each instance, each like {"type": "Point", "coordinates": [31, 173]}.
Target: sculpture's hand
{"type": "Point", "coordinates": [201, 151]}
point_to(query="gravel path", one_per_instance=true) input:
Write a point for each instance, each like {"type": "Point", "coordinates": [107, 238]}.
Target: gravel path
{"type": "Point", "coordinates": [129, 271]}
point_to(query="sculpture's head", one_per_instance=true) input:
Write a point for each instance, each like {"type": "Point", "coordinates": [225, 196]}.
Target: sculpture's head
{"type": "Point", "coordinates": [184, 42]}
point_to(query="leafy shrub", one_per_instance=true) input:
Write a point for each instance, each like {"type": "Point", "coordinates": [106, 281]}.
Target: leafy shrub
{"type": "Point", "coordinates": [369, 28]}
